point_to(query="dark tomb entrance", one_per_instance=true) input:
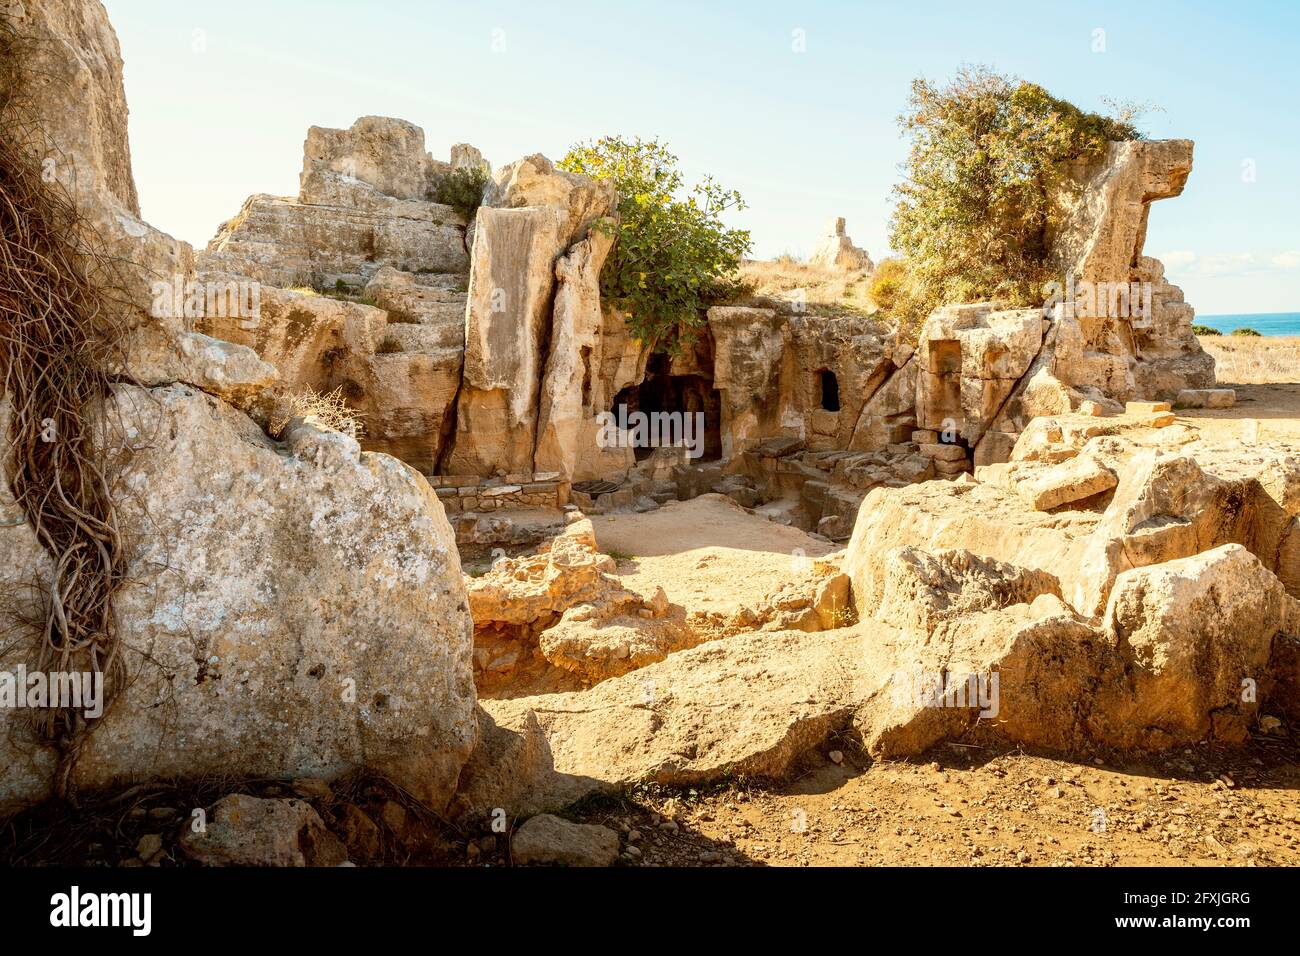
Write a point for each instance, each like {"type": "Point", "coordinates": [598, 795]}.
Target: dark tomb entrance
{"type": "Point", "coordinates": [679, 394]}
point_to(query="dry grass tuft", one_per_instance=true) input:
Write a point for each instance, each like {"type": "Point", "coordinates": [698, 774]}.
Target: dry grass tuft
{"type": "Point", "coordinates": [1242, 360]}
{"type": "Point", "coordinates": [329, 410]}
{"type": "Point", "coordinates": [824, 292]}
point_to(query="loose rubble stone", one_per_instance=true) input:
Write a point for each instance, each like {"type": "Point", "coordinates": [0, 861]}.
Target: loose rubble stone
{"type": "Point", "coordinates": [551, 840]}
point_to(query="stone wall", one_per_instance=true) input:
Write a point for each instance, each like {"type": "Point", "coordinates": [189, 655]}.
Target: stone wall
{"type": "Point", "coordinates": [537, 490]}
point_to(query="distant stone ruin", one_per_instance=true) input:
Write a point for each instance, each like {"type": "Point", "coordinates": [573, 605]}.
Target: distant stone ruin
{"type": "Point", "coordinates": [837, 252]}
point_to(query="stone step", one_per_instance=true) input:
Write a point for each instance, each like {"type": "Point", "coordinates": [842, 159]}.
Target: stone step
{"type": "Point", "coordinates": [1146, 408]}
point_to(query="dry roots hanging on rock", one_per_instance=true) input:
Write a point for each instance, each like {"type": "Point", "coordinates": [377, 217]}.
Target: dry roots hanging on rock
{"type": "Point", "coordinates": [58, 334]}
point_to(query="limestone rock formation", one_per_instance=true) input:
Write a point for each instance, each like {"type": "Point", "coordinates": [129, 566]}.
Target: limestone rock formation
{"type": "Point", "coordinates": [562, 609]}
{"type": "Point", "coordinates": [535, 181]}
{"type": "Point", "coordinates": [971, 357]}
{"type": "Point", "coordinates": [837, 252]}
{"type": "Point", "coordinates": [889, 415]}
{"type": "Point", "coordinates": [73, 124]}
{"type": "Point", "coordinates": [1197, 630]}
{"type": "Point", "coordinates": [922, 590]}
{"type": "Point", "coordinates": [294, 609]}
{"type": "Point", "coordinates": [511, 281]}
{"type": "Point", "coordinates": [834, 367]}
{"type": "Point", "coordinates": [1165, 667]}
{"type": "Point", "coordinates": [290, 608]}
{"type": "Point", "coordinates": [1104, 213]}
{"type": "Point", "coordinates": [364, 202]}
{"type": "Point", "coordinates": [363, 218]}
{"type": "Point", "coordinates": [534, 213]}
{"type": "Point", "coordinates": [807, 377]}
{"type": "Point", "coordinates": [1115, 329]}
{"type": "Point", "coordinates": [750, 705]}
{"type": "Point", "coordinates": [378, 156]}
{"type": "Point", "coordinates": [748, 346]}
{"type": "Point", "coordinates": [1176, 496]}
{"type": "Point", "coordinates": [592, 357]}
{"type": "Point", "coordinates": [1074, 480]}
{"type": "Point", "coordinates": [398, 365]}
{"type": "Point", "coordinates": [217, 366]}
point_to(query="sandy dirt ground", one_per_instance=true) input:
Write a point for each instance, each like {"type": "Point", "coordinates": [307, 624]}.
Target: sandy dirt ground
{"type": "Point", "coordinates": [1265, 372]}
{"type": "Point", "coordinates": [1264, 412]}
{"type": "Point", "coordinates": [708, 554]}
{"type": "Point", "coordinates": [963, 806]}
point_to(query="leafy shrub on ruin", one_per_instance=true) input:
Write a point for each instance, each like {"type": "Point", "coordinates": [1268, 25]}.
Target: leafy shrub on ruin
{"type": "Point", "coordinates": [974, 214]}
{"type": "Point", "coordinates": [462, 188]}
{"type": "Point", "coordinates": [673, 256]}
{"type": "Point", "coordinates": [1205, 330]}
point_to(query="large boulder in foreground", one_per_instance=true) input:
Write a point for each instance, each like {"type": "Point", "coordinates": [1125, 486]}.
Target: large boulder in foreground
{"type": "Point", "coordinates": [1197, 635]}
{"type": "Point", "coordinates": [1183, 656]}
{"type": "Point", "coordinates": [1175, 495]}
{"type": "Point", "coordinates": [291, 609]}
{"type": "Point", "coordinates": [752, 704]}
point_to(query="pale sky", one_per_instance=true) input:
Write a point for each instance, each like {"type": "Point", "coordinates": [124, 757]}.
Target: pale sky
{"type": "Point", "coordinates": [794, 104]}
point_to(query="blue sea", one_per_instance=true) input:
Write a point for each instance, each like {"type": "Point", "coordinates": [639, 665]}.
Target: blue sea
{"type": "Point", "coordinates": [1265, 323]}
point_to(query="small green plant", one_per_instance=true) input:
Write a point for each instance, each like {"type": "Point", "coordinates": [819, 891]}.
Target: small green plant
{"type": "Point", "coordinates": [674, 256]}
{"type": "Point", "coordinates": [1205, 330]}
{"type": "Point", "coordinates": [389, 346]}
{"type": "Point", "coordinates": [618, 555]}
{"type": "Point", "coordinates": [1246, 331]}
{"type": "Point", "coordinates": [462, 189]}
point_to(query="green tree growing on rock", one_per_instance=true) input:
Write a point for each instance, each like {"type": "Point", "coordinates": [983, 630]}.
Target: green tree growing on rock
{"type": "Point", "coordinates": [673, 256]}
{"type": "Point", "coordinates": [974, 213]}
{"type": "Point", "coordinates": [461, 188]}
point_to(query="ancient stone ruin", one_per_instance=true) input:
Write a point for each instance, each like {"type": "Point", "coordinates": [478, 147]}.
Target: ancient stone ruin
{"type": "Point", "coordinates": [1007, 494]}
{"type": "Point", "coordinates": [498, 365]}
{"type": "Point", "coordinates": [837, 252]}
